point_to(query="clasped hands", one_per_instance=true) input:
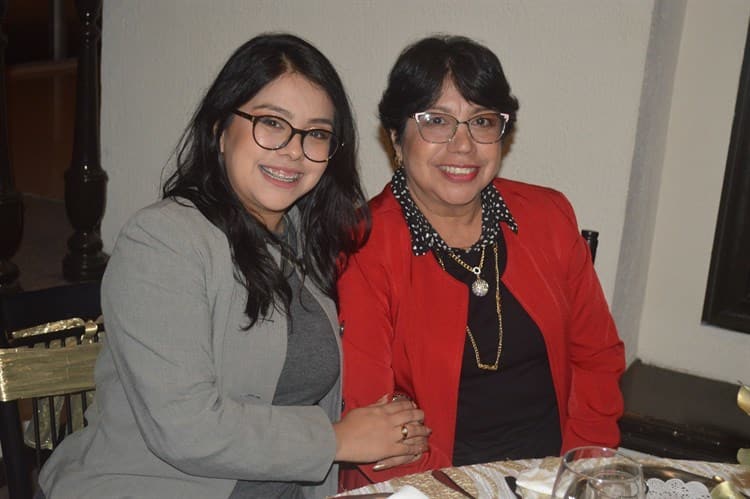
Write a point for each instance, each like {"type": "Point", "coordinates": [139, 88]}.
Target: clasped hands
{"type": "Point", "coordinates": [389, 432]}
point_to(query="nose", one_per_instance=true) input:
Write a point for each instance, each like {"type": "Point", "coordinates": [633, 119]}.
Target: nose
{"type": "Point", "coordinates": [293, 148]}
{"type": "Point", "coordinates": [461, 141]}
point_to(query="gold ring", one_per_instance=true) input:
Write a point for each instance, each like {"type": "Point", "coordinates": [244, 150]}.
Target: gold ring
{"type": "Point", "coordinates": [404, 432]}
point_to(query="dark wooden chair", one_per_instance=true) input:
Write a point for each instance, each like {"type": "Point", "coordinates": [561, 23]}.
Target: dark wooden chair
{"type": "Point", "coordinates": [592, 239]}
{"type": "Point", "coordinates": [50, 342]}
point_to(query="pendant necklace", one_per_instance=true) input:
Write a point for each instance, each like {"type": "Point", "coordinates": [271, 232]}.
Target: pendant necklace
{"type": "Point", "coordinates": [479, 287]}
{"type": "Point", "coordinates": [498, 309]}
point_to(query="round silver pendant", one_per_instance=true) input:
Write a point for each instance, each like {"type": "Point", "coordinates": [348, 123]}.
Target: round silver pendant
{"type": "Point", "coordinates": [480, 287]}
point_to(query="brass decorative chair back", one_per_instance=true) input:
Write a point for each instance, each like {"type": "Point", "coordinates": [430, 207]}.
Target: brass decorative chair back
{"type": "Point", "coordinates": [49, 363]}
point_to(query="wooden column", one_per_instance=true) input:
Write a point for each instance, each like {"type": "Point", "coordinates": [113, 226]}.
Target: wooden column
{"type": "Point", "coordinates": [11, 228]}
{"type": "Point", "coordinates": [85, 181]}
{"type": "Point", "coordinates": [11, 203]}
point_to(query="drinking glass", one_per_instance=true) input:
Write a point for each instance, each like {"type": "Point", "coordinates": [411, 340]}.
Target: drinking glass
{"type": "Point", "coordinates": [398, 396]}
{"type": "Point", "coordinates": [598, 473]}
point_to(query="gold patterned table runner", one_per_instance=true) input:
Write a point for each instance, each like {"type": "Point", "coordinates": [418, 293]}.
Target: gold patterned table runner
{"type": "Point", "coordinates": [487, 480]}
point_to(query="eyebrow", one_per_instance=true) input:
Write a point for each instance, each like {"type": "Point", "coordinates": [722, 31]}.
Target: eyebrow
{"type": "Point", "coordinates": [288, 114]}
{"type": "Point", "coordinates": [475, 110]}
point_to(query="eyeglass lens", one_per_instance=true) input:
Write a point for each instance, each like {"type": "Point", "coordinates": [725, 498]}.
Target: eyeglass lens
{"type": "Point", "coordinates": [440, 128]}
{"type": "Point", "coordinates": [272, 132]}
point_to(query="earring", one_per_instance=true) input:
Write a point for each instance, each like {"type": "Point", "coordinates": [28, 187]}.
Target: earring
{"type": "Point", "coordinates": [397, 160]}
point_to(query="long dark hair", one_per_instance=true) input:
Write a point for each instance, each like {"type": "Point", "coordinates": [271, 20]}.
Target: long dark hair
{"type": "Point", "coordinates": [417, 77]}
{"type": "Point", "coordinates": [334, 219]}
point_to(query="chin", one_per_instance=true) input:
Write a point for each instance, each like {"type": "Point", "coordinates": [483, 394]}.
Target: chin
{"type": "Point", "coordinates": [460, 198]}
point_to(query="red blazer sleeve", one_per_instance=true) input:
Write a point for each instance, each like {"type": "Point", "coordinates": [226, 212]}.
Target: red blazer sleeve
{"type": "Point", "coordinates": [368, 307]}
{"type": "Point", "coordinates": [595, 352]}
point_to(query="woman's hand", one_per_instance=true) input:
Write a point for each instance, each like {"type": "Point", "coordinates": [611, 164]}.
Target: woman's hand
{"type": "Point", "coordinates": [376, 432]}
{"type": "Point", "coordinates": [392, 462]}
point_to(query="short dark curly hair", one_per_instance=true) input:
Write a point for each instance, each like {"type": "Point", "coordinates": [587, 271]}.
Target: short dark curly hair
{"type": "Point", "coordinates": [416, 80]}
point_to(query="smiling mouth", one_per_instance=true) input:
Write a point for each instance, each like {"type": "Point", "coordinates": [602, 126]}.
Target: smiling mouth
{"type": "Point", "coordinates": [458, 170]}
{"type": "Point", "coordinates": [280, 175]}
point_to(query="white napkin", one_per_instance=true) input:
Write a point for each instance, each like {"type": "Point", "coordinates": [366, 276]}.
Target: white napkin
{"type": "Point", "coordinates": [408, 492]}
{"type": "Point", "coordinates": [536, 483]}
{"type": "Point", "coordinates": [675, 488]}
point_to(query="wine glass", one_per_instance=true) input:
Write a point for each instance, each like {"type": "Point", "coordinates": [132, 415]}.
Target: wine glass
{"type": "Point", "coordinates": [598, 473]}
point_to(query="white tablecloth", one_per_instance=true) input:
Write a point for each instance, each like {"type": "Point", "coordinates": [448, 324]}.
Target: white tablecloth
{"type": "Point", "coordinates": [486, 481]}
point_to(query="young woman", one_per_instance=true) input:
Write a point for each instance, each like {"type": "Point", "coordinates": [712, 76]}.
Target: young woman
{"type": "Point", "coordinates": [220, 374]}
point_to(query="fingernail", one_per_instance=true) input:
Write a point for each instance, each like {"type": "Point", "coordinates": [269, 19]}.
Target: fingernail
{"type": "Point", "coordinates": [378, 467]}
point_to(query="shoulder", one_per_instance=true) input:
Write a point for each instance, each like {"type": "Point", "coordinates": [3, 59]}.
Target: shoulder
{"type": "Point", "coordinates": [172, 230]}
{"type": "Point", "coordinates": [169, 212]}
{"type": "Point", "coordinates": [388, 224]}
{"type": "Point", "coordinates": [387, 247]}
{"type": "Point", "coordinates": [533, 204]}
{"type": "Point", "coordinates": [385, 204]}
{"type": "Point", "coordinates": [168, 245]}
{"type": "Point", "coordinates": [171, 219]}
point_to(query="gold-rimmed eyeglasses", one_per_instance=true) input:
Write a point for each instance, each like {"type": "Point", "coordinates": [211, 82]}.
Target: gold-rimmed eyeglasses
{"type": "Point", "coordinates": [273, 132]}
{"type": "Point", "coordinates": [440, 128]}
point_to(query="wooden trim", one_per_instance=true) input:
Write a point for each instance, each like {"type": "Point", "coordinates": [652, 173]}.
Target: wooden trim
{"type": "Point", "coordinates": [727, 301]}
{"type": "Point", "coordinates": [44, 69]}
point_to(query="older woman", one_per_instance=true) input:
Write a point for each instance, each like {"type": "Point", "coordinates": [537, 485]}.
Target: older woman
{"type": "Point", "coordinates": [475, 296]}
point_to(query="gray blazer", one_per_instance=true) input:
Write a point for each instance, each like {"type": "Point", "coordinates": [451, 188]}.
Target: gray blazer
{"type": "Point", "coordinates": [183, 402]}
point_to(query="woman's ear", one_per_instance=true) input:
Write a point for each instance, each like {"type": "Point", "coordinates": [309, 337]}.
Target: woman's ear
{"type": "Point", "coordinates": [397, 153]}
{"type": "Point", "coordinates": [221, 137]}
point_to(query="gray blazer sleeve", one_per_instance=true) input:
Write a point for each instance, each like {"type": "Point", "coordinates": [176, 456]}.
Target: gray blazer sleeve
{"type": "Point", "coordinates": [159, 313]}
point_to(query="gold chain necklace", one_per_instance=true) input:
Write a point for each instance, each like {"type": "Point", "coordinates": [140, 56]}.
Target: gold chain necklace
{"type": "Point", "coordinates": [479, 287]}
{"type": "Point", "coordinates": [480, 364]}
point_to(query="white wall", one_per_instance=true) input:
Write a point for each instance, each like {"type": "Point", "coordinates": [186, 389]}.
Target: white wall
{"type": "Point", "coordinates": [671, 334]}
{"type": "Point", "coordinates": [646, 171]}
{"type": "Point", "coordinates": [577, 68]}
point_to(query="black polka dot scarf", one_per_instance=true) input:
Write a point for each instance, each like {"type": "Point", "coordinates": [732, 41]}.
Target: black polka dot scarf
{"type": "Point", "coordinates": [424, 237]}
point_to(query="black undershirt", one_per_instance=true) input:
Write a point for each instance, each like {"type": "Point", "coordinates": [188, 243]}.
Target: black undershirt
{"type": "Point", "coordinates": [510, 413]}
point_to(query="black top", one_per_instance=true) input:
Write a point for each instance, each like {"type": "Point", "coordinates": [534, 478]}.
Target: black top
{"type": "Point", "coordinates": [510, 413]}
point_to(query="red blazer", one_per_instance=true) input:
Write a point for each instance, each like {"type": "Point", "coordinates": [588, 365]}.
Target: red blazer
{"type": "Point", "coordinates": [405, 322]}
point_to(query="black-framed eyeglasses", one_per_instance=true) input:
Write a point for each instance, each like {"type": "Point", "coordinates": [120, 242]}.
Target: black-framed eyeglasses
{"type": "Point", "coordinates": [273, 132]}
{"type": "Point", "coordinates": [440, 128]}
